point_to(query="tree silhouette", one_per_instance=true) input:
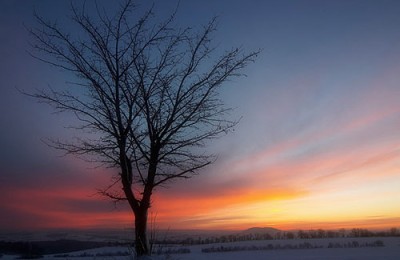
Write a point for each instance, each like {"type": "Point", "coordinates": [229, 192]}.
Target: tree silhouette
{"type": "Point", "coordinates": [147, 94]}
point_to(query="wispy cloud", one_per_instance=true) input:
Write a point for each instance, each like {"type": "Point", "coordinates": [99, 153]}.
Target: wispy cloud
{"type": "Point", "coordinates": [318, 144]}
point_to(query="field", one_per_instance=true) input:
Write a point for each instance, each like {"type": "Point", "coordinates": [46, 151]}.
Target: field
{"type": "Point", "coordinates": [326, 248]}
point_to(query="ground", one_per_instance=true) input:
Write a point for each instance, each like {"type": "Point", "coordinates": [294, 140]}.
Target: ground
{"type": "Point", "coordinates": [302, 249]}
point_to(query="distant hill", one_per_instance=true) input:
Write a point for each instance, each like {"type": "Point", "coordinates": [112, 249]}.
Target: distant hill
{"type": "Point", "coordinates": [261, 230]}
{"type": "Point", "coordinates": [37, 248]}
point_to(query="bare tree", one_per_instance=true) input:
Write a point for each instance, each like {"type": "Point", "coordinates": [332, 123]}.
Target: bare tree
{"type": "Point", "coordinates": [149, 93]}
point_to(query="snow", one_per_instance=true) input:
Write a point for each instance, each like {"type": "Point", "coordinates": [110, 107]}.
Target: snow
{"type": "Point", "coordinates": [282, 250]}
{"type": "Point", "coordinates": [391, 250]}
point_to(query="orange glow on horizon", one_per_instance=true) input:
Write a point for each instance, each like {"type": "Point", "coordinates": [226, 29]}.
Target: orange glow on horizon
{"type": "Point", "coordinates": [283, 209]}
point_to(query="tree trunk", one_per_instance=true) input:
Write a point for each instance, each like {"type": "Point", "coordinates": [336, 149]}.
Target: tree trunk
{"type": "Point", "coordinates": [141, 241]}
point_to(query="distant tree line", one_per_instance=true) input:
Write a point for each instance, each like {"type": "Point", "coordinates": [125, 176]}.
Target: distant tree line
{"type": "Point", "coordinates": [300, 234]}
{"type": "Point", "coordinates": [35, 249]}
{"type": "Point", "coordinates": [303, 245]}
{"type": "Point", "coordinates": [26, 250]}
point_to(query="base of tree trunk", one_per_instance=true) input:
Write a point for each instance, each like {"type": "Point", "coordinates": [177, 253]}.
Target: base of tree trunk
{"type": "Point", "coordinates": [141, 242]}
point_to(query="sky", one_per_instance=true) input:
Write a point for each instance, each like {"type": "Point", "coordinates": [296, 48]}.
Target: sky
{"type": "Point", "coordinates": [317, 146]}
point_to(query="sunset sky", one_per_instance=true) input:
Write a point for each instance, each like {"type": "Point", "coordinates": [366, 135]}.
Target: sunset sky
{"type": "Point", "coordinates": [318, 144]}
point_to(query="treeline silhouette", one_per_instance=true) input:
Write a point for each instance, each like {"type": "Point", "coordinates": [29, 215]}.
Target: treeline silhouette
{"type": "Point", "coordinates": [36, 249]}
{"type": "Point", "coordinates": [300, 234]}
{"type": "Point", "coordinates": [302, 245]}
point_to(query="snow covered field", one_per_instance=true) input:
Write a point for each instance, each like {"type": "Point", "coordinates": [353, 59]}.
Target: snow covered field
{"type": "Point", "coordinates": [390, 250]}
{"type": "Point", "coordinates": [329, 248]}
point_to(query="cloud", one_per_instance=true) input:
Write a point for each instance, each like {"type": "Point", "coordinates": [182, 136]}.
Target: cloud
{"type": "Point", "coordinates": [363, 163]}
{"type": "Point", "coordinates": [56, 199]}
{"type": "Point", "coordinates": [216, 204]}
{"type": "Point", "coordinates": [320, 120]}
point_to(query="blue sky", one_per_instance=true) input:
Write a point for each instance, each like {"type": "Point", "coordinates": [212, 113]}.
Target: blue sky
{"type": "Point", "coordinates": [320, 119]}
